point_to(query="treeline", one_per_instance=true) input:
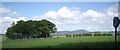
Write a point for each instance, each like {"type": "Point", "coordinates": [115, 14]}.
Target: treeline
{"type": "Point", "coordinates": [31, 29]}
{"type": "Point", "coordinates": [90, 34]}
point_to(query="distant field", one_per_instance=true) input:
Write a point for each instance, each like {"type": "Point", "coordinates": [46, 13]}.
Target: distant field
{"type": "Point", "coordinates": [62, 42]}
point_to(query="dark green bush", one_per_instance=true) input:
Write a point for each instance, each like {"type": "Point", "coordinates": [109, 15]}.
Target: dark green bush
{"type": "Point", "coordinates": [79, 34]}
{"type": "Point", "coordinates": [74, 35]}
{"type": "Point", "coordinates": [67, 35]}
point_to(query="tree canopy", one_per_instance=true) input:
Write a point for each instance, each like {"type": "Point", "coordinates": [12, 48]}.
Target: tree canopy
{"type": "Point", "coordinates": [31, 29]}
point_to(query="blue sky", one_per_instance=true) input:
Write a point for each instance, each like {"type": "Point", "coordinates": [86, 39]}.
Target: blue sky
{"type": "Point", "coordinates": [30, 9]}
{"type": "Point", "coordinates": [91, 16]}
{"type": "Point", "coordinates": [59, 0]}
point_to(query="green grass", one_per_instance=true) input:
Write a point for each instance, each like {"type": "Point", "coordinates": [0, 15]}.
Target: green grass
{"type": "Point", "coordinates": [0, 41]}
{"type": "Point", "coordinates": [63, 42]}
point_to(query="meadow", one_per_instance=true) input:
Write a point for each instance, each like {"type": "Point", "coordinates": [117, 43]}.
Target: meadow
{"type": "Point", "coordinates": [62, 42]}
{"type": "Point", "coordinates": [0, 41]}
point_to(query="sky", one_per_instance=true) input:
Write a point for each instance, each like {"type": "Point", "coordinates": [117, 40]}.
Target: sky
{"type": "Point", "coordinates": [67, 16]}
{"type": "Point", "coordinates": [59, 0]}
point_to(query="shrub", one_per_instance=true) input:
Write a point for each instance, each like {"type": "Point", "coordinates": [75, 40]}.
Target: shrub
{"type": "Point", "coordinates": [70, 35]}
{"type": "Point", "coordinates": [79, 34]}
{"type": "Point", "coordinates": [104, 34]}
{"type": "Point", "coordinates": [88, 34]}
{"type": "Point", "coordinates": [74, 35]}
{"type": "Point", "coordinates": [67, 35]}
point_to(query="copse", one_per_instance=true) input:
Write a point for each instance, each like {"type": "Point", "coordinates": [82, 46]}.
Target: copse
{"type": "Point", "coordinates": [31, 29]}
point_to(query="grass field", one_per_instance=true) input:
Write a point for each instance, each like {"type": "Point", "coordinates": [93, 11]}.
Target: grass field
{"type": "Point", "coordinates": [0, 41]}
{"type": "Point", "coordinates": [63, 42]}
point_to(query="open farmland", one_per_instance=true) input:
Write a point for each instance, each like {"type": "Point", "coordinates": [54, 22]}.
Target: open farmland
{"type": "Point", "coordinates": [62, 42]}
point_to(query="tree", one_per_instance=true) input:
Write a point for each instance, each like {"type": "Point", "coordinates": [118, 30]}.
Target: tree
{"type": "Point", "coordinates": [31, 29]}
{"type": "Point", "coordinates": [67, 35]}
{"type": "Point", "coordinates": [10, 33]}
{"type": "Point", "coordinates": [74, 35]}
{"type": "Point", "coordinates": [47, 28]}
{"type": "Point", "coordinates": [79, 34]}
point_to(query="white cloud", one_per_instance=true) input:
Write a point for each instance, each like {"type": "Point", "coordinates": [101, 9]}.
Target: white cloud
{"type": "Point", "coordinates": [8, 18]}
{"type": "Point", "coordinates": [64, 15]}
{"type": "Point", "coordinates": [90, 18]}
{"type": "Point", "coordinates": [14, 12]}
{"type": "Point", "coordinates": [51, 14]}
{"type": "Point", "coordinates": [18, 19]}
{"type": "Point", "coordinates": [92, 13]}
{"type": "Point", "coordinates": [89, 28]}
{"type": "Point", "coordinates": [67, 15]}
{"type": "Point", "coordinates": [8, 12]}
{"type": "Point", "coordinates": [93, 19]}
{"type": "Point", "coordinates": [65, 12]}
{"type": "Point", "coordinates": [4, 10]}
{"type": "Point", "coordinates": [113, 10]}
{"type": "Point", "coordinates": [6, 22]}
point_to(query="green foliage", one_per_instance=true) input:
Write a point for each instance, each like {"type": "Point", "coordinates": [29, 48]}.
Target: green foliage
{"type": "Point", "coordinates": [109, 34]}
{"type": "Point", "coordinates": [67, 35]}
{"type": "Point", "coordinates": [74, 35]}
{"type": "Point", "coordinates": [103, 34]}
{"type": "Point", "coordinates": [31, 29]}
{"type": "Point", "coordinates": [87, 34]}
{"type": "Point", "coordinates": [77, 34]}
{"type": "Point", "coordinates": [90, 34]}
{"type": "Point", "coordinates": [80, 35]}
{"type": "Point", "coordinates": [70, 35]}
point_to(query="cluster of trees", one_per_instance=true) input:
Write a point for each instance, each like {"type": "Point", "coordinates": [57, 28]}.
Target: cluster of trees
{"type": "Point", "coordinates": [72, 35]}
{"type": "Point", "coordinates": [89, 34]}
{"type": "Point", "coordinates": [103, 34]}
{"type": "Point", "coordinates": [31, 29]}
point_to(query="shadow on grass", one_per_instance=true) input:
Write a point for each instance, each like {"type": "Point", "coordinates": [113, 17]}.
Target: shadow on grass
{"type": "Point", "coordinates": [77, 46]}
{"type": "Point", "coordinates": [85, 45]}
